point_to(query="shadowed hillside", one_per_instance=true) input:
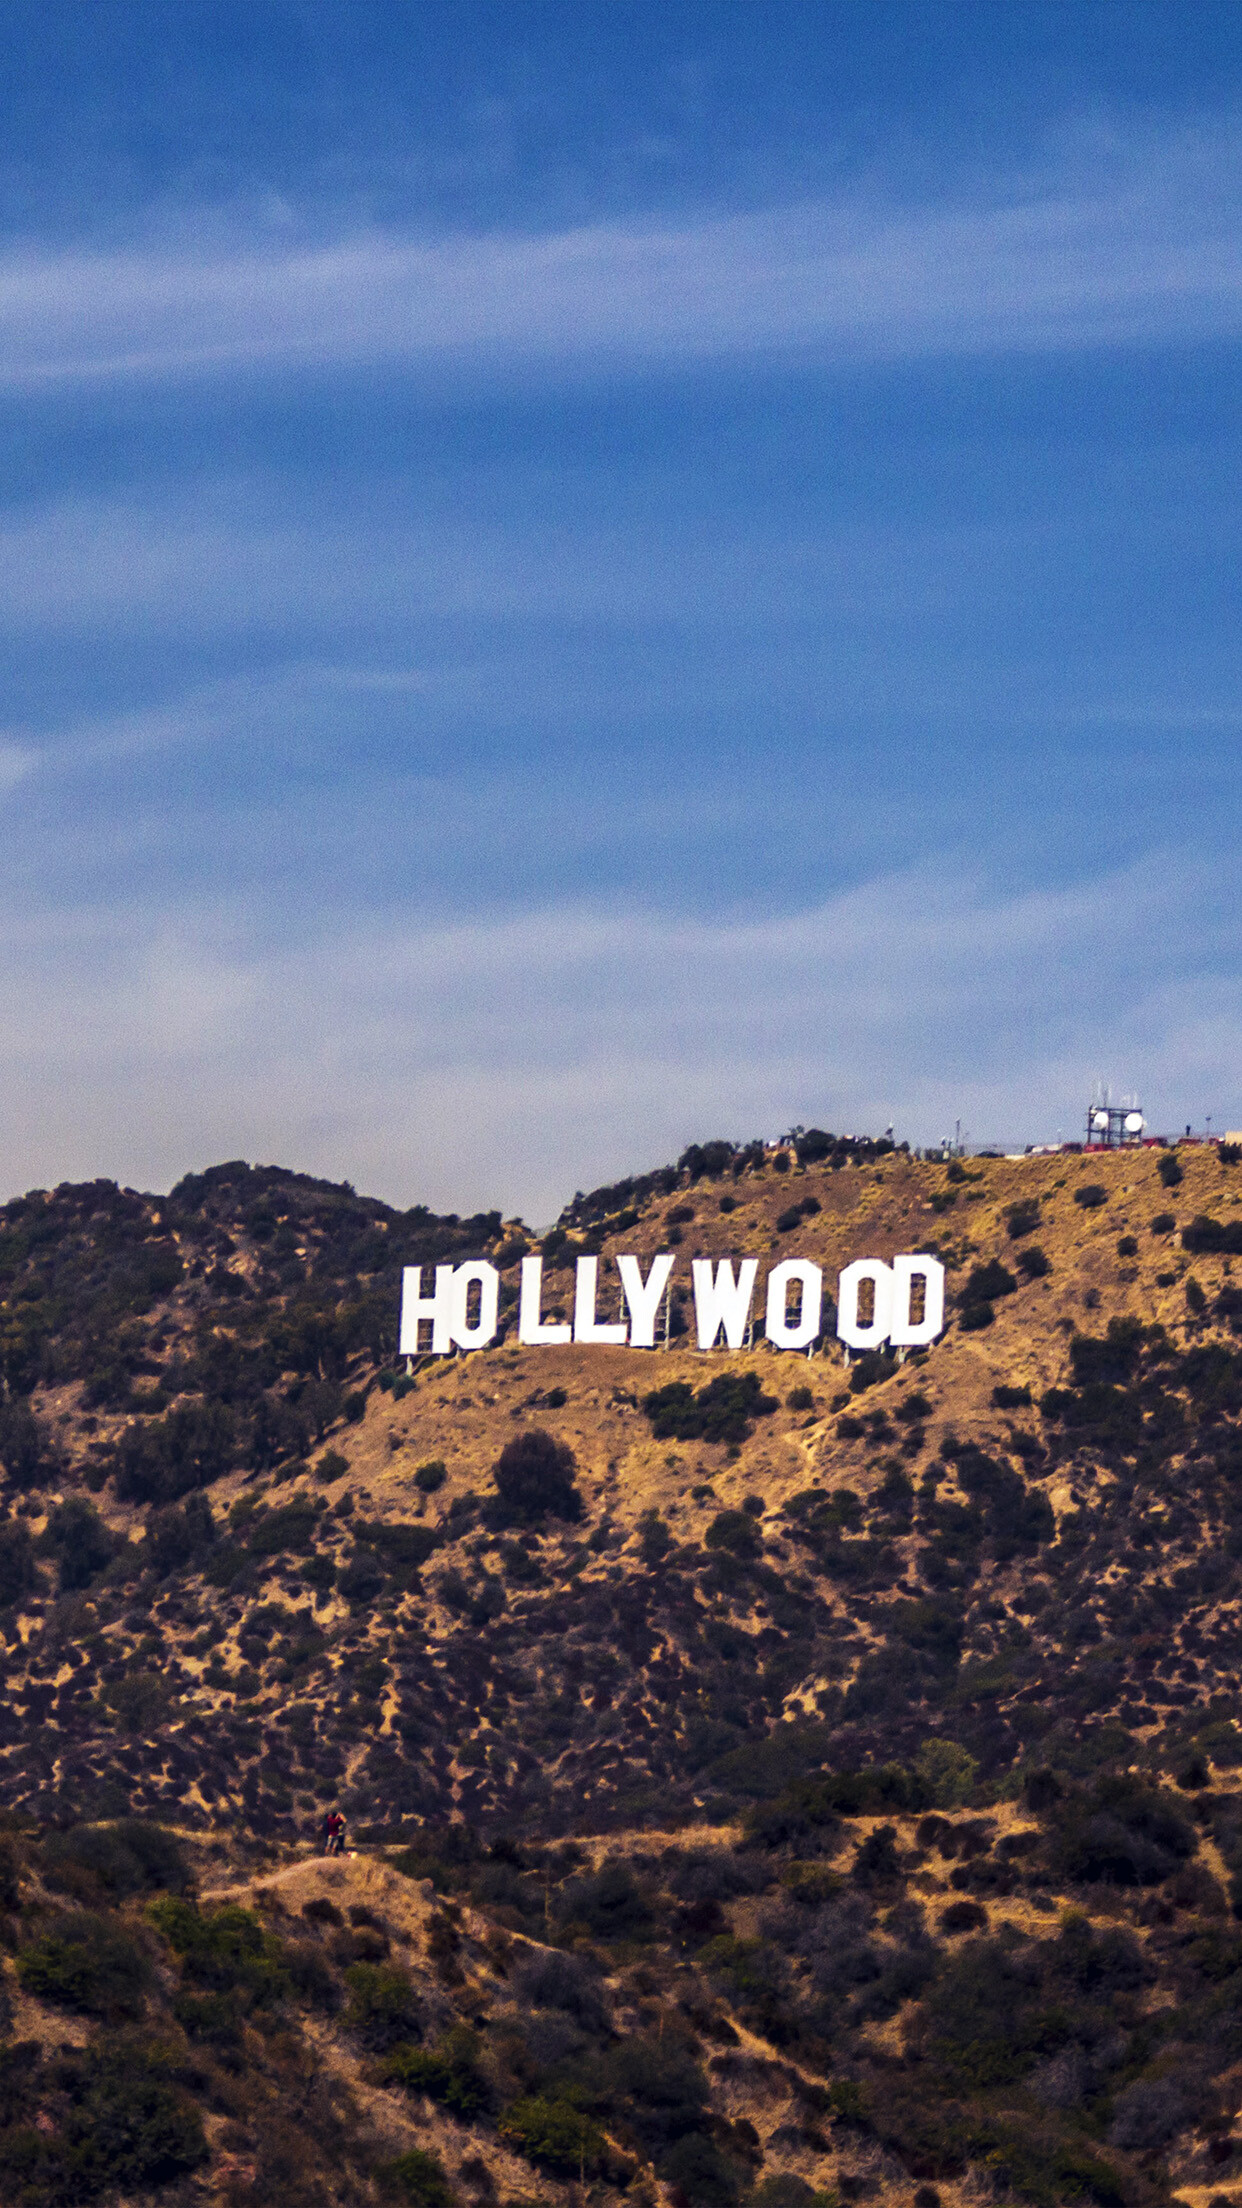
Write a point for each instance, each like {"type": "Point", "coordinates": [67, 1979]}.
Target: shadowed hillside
{"type": "Point", "coordinates": [784, 1779]}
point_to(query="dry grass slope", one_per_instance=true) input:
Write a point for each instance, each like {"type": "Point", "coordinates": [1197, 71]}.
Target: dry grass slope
{"type": "Point", "coordinates": [847, 1806]}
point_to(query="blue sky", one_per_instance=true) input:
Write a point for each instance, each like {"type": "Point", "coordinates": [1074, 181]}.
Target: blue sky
{"type": "Point", "coordinates": [577, 578]}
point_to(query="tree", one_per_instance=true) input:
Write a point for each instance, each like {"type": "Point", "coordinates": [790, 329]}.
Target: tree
{"type": "Point", "coordinates": [19, 1573]}
{"type": "Point", "coordinates": [534, 1476]}
{"type": "Point", "coordinates": [79, 1541]}
{"type": "Point", "coordinates": [25, 1451]}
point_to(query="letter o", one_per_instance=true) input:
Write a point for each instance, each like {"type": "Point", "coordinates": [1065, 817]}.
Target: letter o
{"type": "Point", "coordinates": [796, 1333]}
{"type": "Point", "coordinates": [480, 1334]}
{"type": "Point", "coordinates": [849, 1328]}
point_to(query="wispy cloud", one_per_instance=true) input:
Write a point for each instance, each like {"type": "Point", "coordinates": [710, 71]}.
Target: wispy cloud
{"type": "Point", "coordinates": [1122, 242]}
{"type": "Point", "coordinates": [507, 1060]}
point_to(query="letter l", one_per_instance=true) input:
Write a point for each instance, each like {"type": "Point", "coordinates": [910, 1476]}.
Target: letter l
{"type": "Point", "coordinates": [531, 1328]}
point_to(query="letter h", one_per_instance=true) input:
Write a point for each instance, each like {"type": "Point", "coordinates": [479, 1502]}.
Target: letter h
{"type": "Point", "coordinates": [438, 1308]}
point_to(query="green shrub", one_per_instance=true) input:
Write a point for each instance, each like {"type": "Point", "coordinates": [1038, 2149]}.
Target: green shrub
{"type": "Point", "coordinates": [1124, 1833]}
{"type": "Point", "coordinates": [419, 2178]}
{"type": "Point", "coordinates": [213, 2019]}
{"type": "Point", "coordinates": [442, 1853]}
{"type": "Point", "coordinates": [19, 1573]}
{"type": "Point", "coordinates": [1223, 1743]}
{"type": "Point", "coordinates": [871, 1369]}
{"type": "Point", "coordinates": [403, 1547]}
{"type": "Point", "coordinates": [1022, 1218]}
{"type": "Point", "coordinates": [383, 2008]}
{"type": "Point", "coordinates": [160, 1460]}
{"type": "Point", "coordinates": [79, 1542]}
{"type": "Point", "coordinates": [1091, 1196]}
{"type": "Point", "coordinates": [723, 1411]}
{"type": "Point", "coordinates": [1016, 1517]}
{"type": "Point", "coordinates": [1163, 1223]}
{"type": "Point", "coordinates": [310, 1979]}
{"type": "Point", "coordinates": [849, 2102]}
{"type": "Point", "coordinates": [10, 1874]}
{"type": "Point", "coordinates": [1008, 1398]}
{"type": "Point", "coordinates": [27, 1455]}
{"type": "Point", "coordinates": [736, 1532]}
{"type": "Point", "coordinates": [610, 1903]}
{"type": "Point", "coordinates": [655, 2087]}
{"type": "Point", "coordinates": [88, 1964]}
{"type": "Point", "coordinates": [448, 2073]}
{"type": "Point", "coordinates": [964, 1916]}
{"type": "Point", "coordinates": [784, 2190]}
{"type": "Point", "coordinates": [292, 1526]}
{"type": "Point", "coordinates": [179, 1535]}
{"type": "Point", "coordinates": [986, 1282]}
{"type": "Point", "coordinates": [554, 2134]}
{"type": "Point", "coordinates": [131, 1857]}
{"type": "Point", "coordinates": [223, 1948]}
{"type": "Point", "coordinates": [1110, 1358]}
{"type": "Point", "coordinates": [1170, 1172]}
{"type": "Point", "coordinates": [331, 1466]}
{"type": "Point", "coordinates": [126, 2127]}
{"type": "Point", "coordinates": [699, 2170]}
{"type": "Point", "coordinates": [947, 1772]}
{"type": "Point", "coordinates": [1127, 1245]}
{"type": "Point", "coordinates": [655, 1539]}
{"type": "Point", "coordinates": [1033, 1263]}
{"type": "Point", "coordinates": [431, 1476]}
{"type": "Point", "coordinates": [806, 1815]}
{"type": "Point", "coordinates": [534, 1477]}
{"type": "Point", "coordinates": [985, 2020]}
{"type": "Point", "coordinates": [139, 1703]}
{"type": "Point", "coordinates": [915, 1408]}
{"type": "Point", "coordinates": [876, 1861]}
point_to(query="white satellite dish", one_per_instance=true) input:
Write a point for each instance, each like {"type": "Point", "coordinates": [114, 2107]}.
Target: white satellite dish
{"type": "Point", "coordinates": [1099, 1119]}
{"type": "Point", "coordinates": [1134, 1123]}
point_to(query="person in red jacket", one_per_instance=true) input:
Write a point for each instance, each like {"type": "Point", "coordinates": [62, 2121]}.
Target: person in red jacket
{"type": "Point", "coordinates": [334, 1833]}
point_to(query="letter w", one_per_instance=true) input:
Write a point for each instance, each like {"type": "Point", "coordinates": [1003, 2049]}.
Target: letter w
{"type": "Point", "coordinates": [722, 1301]}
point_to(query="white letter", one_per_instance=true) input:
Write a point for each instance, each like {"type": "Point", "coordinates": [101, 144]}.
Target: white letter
{"type": "Point", "coordinates": [478, 1335]}
{"type": "Point", "coordinates": [586, 1326]}
{"type": "Point", "coordinates": [720, 1300]}
{"type": "Point", "coordinates": [794, 1333]}
{"type": "Point", "coordinates": [906, 1331]}
{"type": "Point", "coordinates": [849, 1329]}
{"type": "Point", "coordinates": [643, 1297]}
{"type": "Point", "coordinates": [438, 1308]}
{"type": "Point", "coordinates": [531, 1328]}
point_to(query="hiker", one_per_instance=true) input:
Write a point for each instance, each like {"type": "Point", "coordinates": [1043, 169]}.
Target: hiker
{"type": "Point", "coordinates": [334, 1833]}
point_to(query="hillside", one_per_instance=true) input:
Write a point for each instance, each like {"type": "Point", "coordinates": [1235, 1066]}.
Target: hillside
{"type": "Point", "coordinates": [839, 1795]}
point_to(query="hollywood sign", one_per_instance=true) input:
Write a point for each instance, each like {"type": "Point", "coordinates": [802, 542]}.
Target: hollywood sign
{"type": "Point", "coordinates": [901, 1304]}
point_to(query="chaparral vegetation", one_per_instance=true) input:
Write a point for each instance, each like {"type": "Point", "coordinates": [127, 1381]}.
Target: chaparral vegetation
{"type": "Point", "coordinates": [766, 1782]}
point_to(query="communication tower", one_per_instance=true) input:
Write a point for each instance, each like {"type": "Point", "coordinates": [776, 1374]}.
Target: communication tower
{"type": "Point", "coordinates": [1113, 1126]}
